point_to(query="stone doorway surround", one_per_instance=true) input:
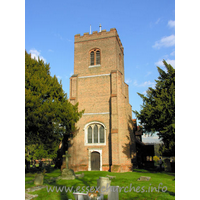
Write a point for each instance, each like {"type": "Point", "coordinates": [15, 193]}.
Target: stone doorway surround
{"type": "Point", "coordinates": [99, 150]}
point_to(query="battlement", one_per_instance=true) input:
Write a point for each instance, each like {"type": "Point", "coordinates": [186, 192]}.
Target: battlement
{"type": "Point", "coordinates": [98, 35]}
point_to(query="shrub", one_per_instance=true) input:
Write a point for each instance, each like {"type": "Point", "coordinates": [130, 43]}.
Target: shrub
{"type": "Point", "coordinates": [156, 158]}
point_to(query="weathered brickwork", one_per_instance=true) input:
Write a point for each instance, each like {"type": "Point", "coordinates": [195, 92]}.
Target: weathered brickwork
{"type": "Point", "coordinates": [101, 91]}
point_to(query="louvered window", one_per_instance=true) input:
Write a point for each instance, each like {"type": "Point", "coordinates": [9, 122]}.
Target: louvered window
{"type": "Point", "coordinates": [95, 57]}
{"type": "Point", "coordinates": [92, 58]}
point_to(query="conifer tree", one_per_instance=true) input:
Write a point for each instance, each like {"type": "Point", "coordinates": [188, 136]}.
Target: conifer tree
{"type": "Point", "coordinates": [49, 116]}
{"type": "Point", "coordinates": [157, 113]}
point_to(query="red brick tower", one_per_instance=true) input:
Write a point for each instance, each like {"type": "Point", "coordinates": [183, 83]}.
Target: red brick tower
{"type": "Point", "coordinates": [104, 140]}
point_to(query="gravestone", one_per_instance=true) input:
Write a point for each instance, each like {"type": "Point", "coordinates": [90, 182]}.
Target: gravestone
{"type": "Point", "coordinates": [167, 165]}
{"type": "Point", "coordinates": [39, 179]}
{"type": "Point", "coordinates": [67, 174]}
{"type": "Point", "coordinates": [111, 177]}
{"type": "Point", "coordinates": [81, 196]}
{"type": "Point", "coordinates": [104, 184]}
{"type": "Point", "coordinates": [144, 178]}
{"type": "Point", "coordinates": [113, 193]}
{"type": "Point", "coordinates": [79, 175]}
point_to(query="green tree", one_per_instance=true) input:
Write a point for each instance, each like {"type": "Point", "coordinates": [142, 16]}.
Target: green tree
{"type": "Point", "coordinates": [49, 116]}
{"type": "Point", "coordinates": [157, 113]}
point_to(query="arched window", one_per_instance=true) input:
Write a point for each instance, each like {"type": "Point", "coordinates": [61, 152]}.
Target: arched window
{"type": "Point", "coordinates": [101, 134]}
{"type": "Point", "coordinates": [95, 57]}
{"type": "Point", "coordinates": [98, 57]}
{"type": "Point", "coordinates": [92, 58]}
{"type": "Point", "coordinates": [89, 134]}
{"type": "Point", "coordinates": [95, 133]}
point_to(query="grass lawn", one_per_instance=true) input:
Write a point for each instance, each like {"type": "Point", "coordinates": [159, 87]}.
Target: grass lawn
{"type": "Point", "coordinates": [143, 189]}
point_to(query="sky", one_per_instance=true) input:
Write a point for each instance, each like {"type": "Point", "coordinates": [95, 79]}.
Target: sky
{"type": "Point", "coordinates": [146, 29]}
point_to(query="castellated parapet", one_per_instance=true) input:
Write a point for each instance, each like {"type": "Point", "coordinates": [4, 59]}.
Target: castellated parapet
{"type": "Point", "coordinates": [99, 35]}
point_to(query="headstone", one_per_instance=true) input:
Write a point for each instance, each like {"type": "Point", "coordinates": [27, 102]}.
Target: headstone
{"type": "Point", "coordinates": [81, 196]}
{"type": "Point", "coordinates": [167, 165]}
{"type": "Point", "coordinates": [39, 179]}
{"type": "Point", "coordinates": [113, 193]}
{"type": "Point", "coordinates": [144, 178]}
{"type": "Point", "coordinates": [111, 177]}
{"type": "Point", "coordinates": [67, 174]}
{"type": "Point", "coordinates": [103, 183]}
{"type": "Point", "coordinates": [30, 196]}
{"type": "Point", "coordinates": [79, 175]}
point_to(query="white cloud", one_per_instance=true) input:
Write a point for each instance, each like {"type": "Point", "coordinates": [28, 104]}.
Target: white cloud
{"type": "Point", "coordinates": [157, 21]}
{"type": "Point", "coordinates": [145, 84]}
{"type": "Point", "coordinates": [35, 54]}
{"type": "Point", "coordinates": [172, 53]}
{"type": "Point", "coordinates": [71, 73]}
{"type": "Point", "coordinates": [128, 80]}
{"type": "Point", "coordinates": [165, 42]}
{"type": "Point", "coordinates": [135, 83]}
{"type": "Point", "coordinates": [171, 23]}
{"type": "Point", "coordinates": [148, 73]}
{"type": "Point", "coordinates": [145, 92]}
{"type": "Point", "coordinates": [160, 63]}
{"type": "Point", "coordinates": [58, 77]}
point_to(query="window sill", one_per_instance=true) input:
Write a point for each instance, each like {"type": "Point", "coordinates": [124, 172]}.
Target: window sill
{"type": "Point", "coordinates": [94, 66]}
{"type": "Point", "coordinates": [95, 144]}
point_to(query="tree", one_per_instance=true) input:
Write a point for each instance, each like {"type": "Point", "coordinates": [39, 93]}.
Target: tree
{"type": "Point", "coordinates": [49, 116]}
{"type": "Point", "coordinates": [157, 113]}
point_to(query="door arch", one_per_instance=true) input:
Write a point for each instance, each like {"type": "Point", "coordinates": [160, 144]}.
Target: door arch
{"type": "Point", "coordinates": [95, 160]}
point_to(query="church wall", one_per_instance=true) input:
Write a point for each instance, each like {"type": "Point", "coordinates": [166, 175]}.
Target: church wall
{"type": "Point", "coordinates": [101, 91]}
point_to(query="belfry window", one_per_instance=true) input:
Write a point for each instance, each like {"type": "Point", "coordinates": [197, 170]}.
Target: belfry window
{"type": "Point", "coordinates": [95, 57]}
{"type": "Point", "coordinates": [98, 57]}
{"type": "Point", "coordinates": [92, 58]}
{"type": "Point", "coordinates": [95, 134]}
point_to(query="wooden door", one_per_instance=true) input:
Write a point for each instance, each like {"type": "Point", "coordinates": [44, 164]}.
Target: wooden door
{"type": "Point", "coordinates": [95, 161]}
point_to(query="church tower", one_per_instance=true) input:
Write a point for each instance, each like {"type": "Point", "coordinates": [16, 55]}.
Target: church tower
{"type": "Point", "coordinates": [104, 140]}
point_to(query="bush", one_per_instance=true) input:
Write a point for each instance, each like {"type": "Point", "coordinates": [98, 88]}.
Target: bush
{"type": "Point", "coordinates": [156, 158]}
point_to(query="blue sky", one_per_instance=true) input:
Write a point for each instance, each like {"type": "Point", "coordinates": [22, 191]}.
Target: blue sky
{"type": "Point", "coordinates": [146, 29]}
